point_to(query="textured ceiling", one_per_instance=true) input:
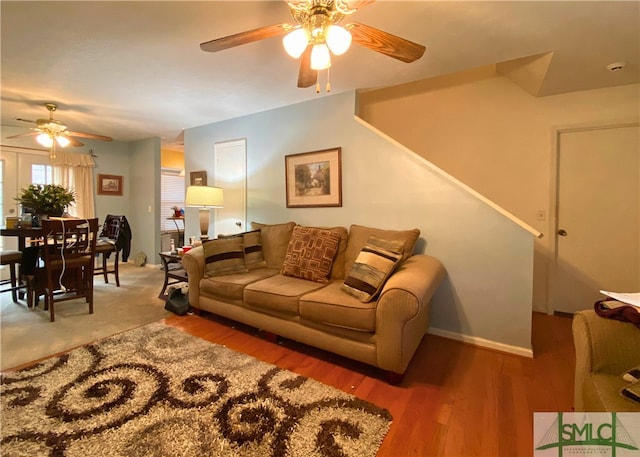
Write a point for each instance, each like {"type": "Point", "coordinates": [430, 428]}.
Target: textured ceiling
{"type": "Point", "coordinates": [133, 70]}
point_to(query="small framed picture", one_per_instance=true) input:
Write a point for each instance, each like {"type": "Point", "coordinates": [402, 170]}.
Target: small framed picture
{"type": "Point", "coordinates": [109, 185]}
{"type": "Point", "coordinates": [198, 178]}
{"type": "Point", "coordinates": [314, 179]}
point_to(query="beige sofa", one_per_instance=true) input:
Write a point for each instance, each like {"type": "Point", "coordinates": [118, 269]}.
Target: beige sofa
{"type": "Point", "coordinates": [384, 332]}
{"type": "Point", "coordinates": [605, 349]}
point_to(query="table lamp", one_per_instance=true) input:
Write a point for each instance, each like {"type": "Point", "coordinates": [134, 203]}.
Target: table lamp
{"type": "Point", "coordinates": [204, 197]}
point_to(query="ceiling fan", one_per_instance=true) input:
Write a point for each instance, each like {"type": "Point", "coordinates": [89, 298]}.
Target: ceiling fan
{"type": "Point", "coordinates": [316, 35]}
{"type": "Point", "coordinates": [50, 132]}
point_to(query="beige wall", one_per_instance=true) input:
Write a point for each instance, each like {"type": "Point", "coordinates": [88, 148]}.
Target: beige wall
{"type": "Point", "coordinates": [495, 137]}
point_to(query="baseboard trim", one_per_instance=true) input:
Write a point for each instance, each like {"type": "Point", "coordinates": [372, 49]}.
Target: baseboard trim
{"type": "Point", "coordinates": [481, 342]}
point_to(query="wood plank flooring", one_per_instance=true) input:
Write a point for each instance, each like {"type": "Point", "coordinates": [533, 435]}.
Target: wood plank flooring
{"type": "Point", "coordinates": [456, 399]}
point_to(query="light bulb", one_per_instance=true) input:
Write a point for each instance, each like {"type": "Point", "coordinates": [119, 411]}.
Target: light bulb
{"type": "Point", "coordinates": [45, 140]}
{"type": "Point", "coordinates": [295, 42]}
{"type": "Point", "coordinates": [63, 141]}
{"type": "Point", "coordinates": [338, 39]}
{"type": "Point", "coordinates": [320, 57]}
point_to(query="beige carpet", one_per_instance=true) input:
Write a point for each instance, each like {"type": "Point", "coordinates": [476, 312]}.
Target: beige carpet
{"type": "Point", "coordinates": [27, 334]}
{"type": "Point", "coordinates": [156, 391]}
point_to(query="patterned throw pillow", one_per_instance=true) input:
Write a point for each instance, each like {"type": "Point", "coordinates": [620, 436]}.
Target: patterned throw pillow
{"type": "Point", "coordinates": [253, 257]}
{"type": "Point", "coordinates": [224, 256]}
{"type": "Point", "coordinates": [310, 253]}
{"type": "Point", "coordinates": [371, 269]}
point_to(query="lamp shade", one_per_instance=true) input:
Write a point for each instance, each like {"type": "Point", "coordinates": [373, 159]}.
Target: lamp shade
{"type": "Point", "coordinates": [204, 197]}
{"type": "Point", "coordinates": [338, 39]}
{"type": "Point", "coordinates": [320, 58]}
{"type": "Point", "coordinates": [295, 42]}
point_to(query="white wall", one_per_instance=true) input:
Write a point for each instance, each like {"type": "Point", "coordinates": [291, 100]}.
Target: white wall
{"type": "Point", "coordinates": [495, 137]}
{"type": "Point", "coordinates": [487, 294]}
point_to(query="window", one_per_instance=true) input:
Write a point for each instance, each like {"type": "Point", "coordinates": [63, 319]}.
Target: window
{"type": "Point", "coordinates": [171, 194]}
{"type": "Point", "coordinates": [41, 174]}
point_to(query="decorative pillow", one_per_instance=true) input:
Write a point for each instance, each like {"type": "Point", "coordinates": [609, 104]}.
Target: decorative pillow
{"type": "Point", "coordinates": [359, 235]}
{"type": "Point", "coordinates": [224, 256]}
{"type": "Point", "coordinates": [310, 253]}
{"type": "Point", "coordinates": [371, 269]}
{"type": "Point", "coordinates": [253, 257]}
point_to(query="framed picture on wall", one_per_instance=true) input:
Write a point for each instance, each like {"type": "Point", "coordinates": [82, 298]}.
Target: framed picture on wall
{"type": "Point", "coordinates": [198, 178]}
{"type": "Point", "coordinates": [109, 185]}
{"type": "Point", "coordinates": [314, 179]}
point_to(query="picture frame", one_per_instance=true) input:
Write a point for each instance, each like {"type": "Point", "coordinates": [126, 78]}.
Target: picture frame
{"type": "Point", "coordinates": [198, 178]}
{"type": "Point", "coordinates": [314, 179]}
{"type": "Point", "coordinates": [109, 185]}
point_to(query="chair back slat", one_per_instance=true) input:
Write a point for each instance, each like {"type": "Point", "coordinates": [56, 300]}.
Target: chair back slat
{"type": "Point", "coordinates": [68, 238]}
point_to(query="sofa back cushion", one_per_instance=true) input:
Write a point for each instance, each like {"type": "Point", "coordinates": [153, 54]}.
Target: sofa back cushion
{"type": "Point", "coordinates": [224, 256]}
{"type": "Point", "coordinates": [359, 235]}
{"type": "Point", "coordinates": [375, 263]}
{"type": "Point", "coordinates": [310, 253]}
{"type": "Point", "coordinates": [275, 240]}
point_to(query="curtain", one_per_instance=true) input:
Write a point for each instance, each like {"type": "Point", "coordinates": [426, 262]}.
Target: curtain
{"type": "Point", "coordinates": [75, 171]}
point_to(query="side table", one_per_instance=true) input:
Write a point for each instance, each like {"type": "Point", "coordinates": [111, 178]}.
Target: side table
{"type": "Point", "coordinates": [171, 276]}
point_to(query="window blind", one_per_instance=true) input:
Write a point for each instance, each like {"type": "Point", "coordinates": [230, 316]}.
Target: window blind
{"type": "Point", "coordinates": [172, 191]}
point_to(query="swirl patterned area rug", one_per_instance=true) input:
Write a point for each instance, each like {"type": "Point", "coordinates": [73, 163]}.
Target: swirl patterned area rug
{"type": "Point", "coordinates": [156, 391]}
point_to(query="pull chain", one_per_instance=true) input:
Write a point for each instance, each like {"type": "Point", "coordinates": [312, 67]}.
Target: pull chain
{"type": "Point", "coordinates": [328, 87]}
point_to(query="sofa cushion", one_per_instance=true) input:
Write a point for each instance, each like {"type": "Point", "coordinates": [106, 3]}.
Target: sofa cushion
{"type": "Point", "coordinates": [231, 286]}
{"type": "Point", "coordinates": [330, 305]}
{"type": "Point", "coordinates": [223, 257]}
{"type": "Point", "coordinates": [278, 293]}
{"type": "Point", "coordinates": [359, 235]}
{"type": "Point", "coordinates": [274, 239]}
{"type": "Point", "coordinates": [251, 243]}
{"type": "Point", "coordinates": [310, 253]}
{"type": "Point", "coordinates": [371, 269]}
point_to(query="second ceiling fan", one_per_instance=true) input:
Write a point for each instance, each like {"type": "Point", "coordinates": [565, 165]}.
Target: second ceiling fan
{"type": "Point", "coordinates": [317, 34]}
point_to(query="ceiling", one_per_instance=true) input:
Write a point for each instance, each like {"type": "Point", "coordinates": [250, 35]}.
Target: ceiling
{"type": "Point", "coordinates": [134, 70]}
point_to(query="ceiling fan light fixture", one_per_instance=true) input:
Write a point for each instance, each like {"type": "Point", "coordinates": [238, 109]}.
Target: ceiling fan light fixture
{"type": "Point", "coordinates": [338, 39]}
{"type": "Point", "coordinates": [45, 140]}
{"type": "Point", "coordinates": [295, 42]}
{"type": "Point", "coordinates": [63, 141]}
{"type": "Point", "coordinates": [320, 57]}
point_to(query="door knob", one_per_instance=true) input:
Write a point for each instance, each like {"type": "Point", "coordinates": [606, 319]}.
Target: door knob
{"type": "Point", "coordinates": [562, 232]}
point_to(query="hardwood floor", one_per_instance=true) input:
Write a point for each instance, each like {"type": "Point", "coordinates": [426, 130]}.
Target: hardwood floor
{"type": "Point", "coordinates": [456, 399]}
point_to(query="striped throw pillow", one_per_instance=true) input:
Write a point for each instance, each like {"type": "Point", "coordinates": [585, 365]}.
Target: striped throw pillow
{"type": "Point", "coordinates": [253, 256]}
{"type": "Point", "coordinates": [310, 253]}
{"type": "Point", "coordinates": [371, 269]}
{"type": "Point", "coordinates": [224, 257]}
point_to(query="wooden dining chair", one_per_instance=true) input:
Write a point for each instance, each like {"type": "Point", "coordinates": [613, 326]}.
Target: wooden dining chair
{"type": "Point", "coordinates": [12, 259]}
{"type": "Point", "coordinates": [108, 244]}
{"type": "Point", "coordinates": [68, 253]}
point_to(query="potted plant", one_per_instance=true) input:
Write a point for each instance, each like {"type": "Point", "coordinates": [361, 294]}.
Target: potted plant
{"type": "Point", "coordinates": [46, 200]}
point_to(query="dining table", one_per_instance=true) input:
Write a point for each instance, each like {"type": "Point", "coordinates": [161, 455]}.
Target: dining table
{"type": "Point", "coordinates": [22, 233]}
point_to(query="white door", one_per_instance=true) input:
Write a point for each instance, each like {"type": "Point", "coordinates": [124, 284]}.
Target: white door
{"type": "Point", "coordinates": [230, 173]}
{"type": "Point", "coordinates": [598, 223]}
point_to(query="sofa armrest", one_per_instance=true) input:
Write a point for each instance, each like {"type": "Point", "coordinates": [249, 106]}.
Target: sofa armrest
{"type": "Point", "coordinates": [604, 346]}
{"type": "Point", "coordinates": [193, 263]}
{"type": "Point", "coordinates": [402, 313]}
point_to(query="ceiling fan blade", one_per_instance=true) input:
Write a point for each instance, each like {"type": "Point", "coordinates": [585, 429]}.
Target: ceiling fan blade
{"type": "Point", "coordinates": [241, 38]}
{"type": "Point", "coordinates": [25, 120]}
{"type": "Point", "coordinates": [91, 136]}
{"type": "Point", "coordinates": [306, 77]}
{"type": "Point", "coordinates": [385, 43]}
{"type": "Point", "coordinates": [72, 140]}
{"type": "Point", "coordinates": [23, 135]}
